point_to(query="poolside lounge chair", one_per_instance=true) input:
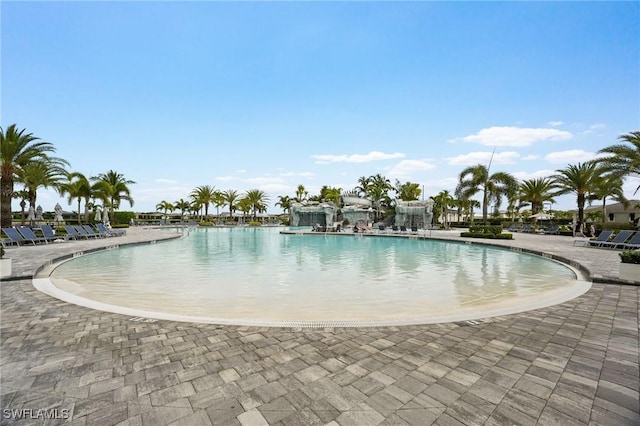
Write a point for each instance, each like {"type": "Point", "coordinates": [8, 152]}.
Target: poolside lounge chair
{"type": "Point", "coordinates": [50, 234]}
{"type": "Point", "coordinates": [73, 233]}
{"type": "Point", "coordinates": [111, 232]}
{"type": "Point", "coordinates": [414, 229]}
{"type": "Point", "coordinates": [526, 228]}
{"type": "Point", "coordinates": [84, 232]}
{"type": "Point", "coordinates": [603, 237]}
{"type": "Point", "coordinates": [29, 235]}
{"type": "Point", "coordinates": [14, 237]}
{"type": "Point", "coordinates": [403, 228]}
{"type": "Point", "coordinates": [381, 227]}
{"type": "Point", "coordinates": [633, 243]}
{"type": "Point", "coordinates": [515, 227]}
{"type": "Point", "coordinates": [553, 229]}
{"type": "Point", "coordinates": [91, 231]}
{"type": "Point", "coordinates": [618, 240]}
{"type": "Point", "coordinates": [395, 229]}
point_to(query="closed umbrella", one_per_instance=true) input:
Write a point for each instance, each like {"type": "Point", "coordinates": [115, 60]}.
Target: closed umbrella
{"type": "Point", "coordinates": [98, 217]}
{"type": "Point", "coordinates": [541, 216]}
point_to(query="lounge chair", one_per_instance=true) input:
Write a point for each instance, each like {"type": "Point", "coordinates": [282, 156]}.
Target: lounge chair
{"type": "Point", "coordinates": [91, 231]}
{"type": "Point", "coordinates": [526, 228]}
{"type": "Point", "coordinates": [381, 227]}
{"type": "Point", "coordinates": [50, 234]}
{"type": "Point", "coordinates": [414, 229]}
{"type": "Point", "coordinates": [633, 243]}
{"type": "Point", "coordinates": [395, 229]}
{"type": "Point", "coordinates": [603, 237]}
{"type": "Point", "coordinates": [14, 237]}
{"type": "Point", "coordinates": [84, 232]}
{"type": "Point", "coordinates": [112, 232]}
{"type": "Point", "coordinates": [29, 235]}
{"type": "Point", "coordinates": [553, 229]}
{"type": "Point", "coordinates": [515, 227]}
{"type": "Point", "coordinates": [73, 233]}
{"type": "Point", "coordinates": [619, 240]}
{"type": "Point", "coordinates": [403, 228]}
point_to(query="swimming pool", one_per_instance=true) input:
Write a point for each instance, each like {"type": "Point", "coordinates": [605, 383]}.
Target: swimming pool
{"type": "Point", "coordinates": [257, 276]}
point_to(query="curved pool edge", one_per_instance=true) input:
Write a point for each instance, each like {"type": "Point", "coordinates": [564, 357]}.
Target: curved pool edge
{"type": "Point", "coordinates": [46, 286]}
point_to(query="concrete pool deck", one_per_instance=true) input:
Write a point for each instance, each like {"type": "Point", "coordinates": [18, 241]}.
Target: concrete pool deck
{"type": "Point", "coordinates": [573, 363]}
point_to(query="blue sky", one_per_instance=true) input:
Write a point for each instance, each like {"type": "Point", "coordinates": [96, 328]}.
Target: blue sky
{"type": "Point", "coordinates": [271, 95]}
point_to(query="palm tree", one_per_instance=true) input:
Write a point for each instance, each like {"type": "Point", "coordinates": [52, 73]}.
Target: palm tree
{"type": "Point", "coordinates": [181, 205]}
{"type": "Point", "coordinates": [301, 194]}
{"type": "Point", "coordinates": [76, 187]}
{"type": "Point", "coordinates": [244, 205]}
{"type": "Point", "coordinates": [203, 195]}
{"type": "Point", "coordinates": [22, 195]}
{"type": "Point", "coordinates": [493, 187]}
{"type": "Point", "coordinates": [165, 207]}
{"type": "Point", "coordinates": [231, 196]}
{"type": "Point", "coordinates": [442, 202]}
{"type": "Point", "coordinates": [17, 149]}
{"type": "Point", "coordinates": [330, 194]}
{"type": "Point", "coordinates": [112, 188]}
{"type": "Point", "coordinates": [378, 191]}
{"type": "Point", "coordinates": [40, 173]}
{"type": "Point", "coordinates": [581, 179]}
{"type": "Point", "coordinates": [257, 201]}
{"type": "Point", "coordinates": [363, 186]}
{"type": "Point", "coordinates": [609, 186]}
{"type": "Point", "coordinates": [284, 201]}
{"type": "Point", "coordinates": [218, 201]}
{"type": "Point", "coordinates": [624, 160]}
{"type": "Point", "coordinates": [537, 192]}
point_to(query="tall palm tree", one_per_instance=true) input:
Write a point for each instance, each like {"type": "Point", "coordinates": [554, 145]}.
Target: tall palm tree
{"type": "Point", "coordinates": [40, 173]}
{"type": "Point", "coordinates": [231, 198]}
{"type": "Point", "coordinates": [624, 159]}
{"type": "Point", "coordinates": [442, 202]}
{"type": "Point", "coordinates": [165, 207]}
{"type": "Point", "coordinates": [257, 200]}
{"type": "Point", "coordinates": [17, 149]}
{"type": "Point", "coordinates": [378, 191]}
{"type": "Point", "coordinates": [582, 180]}
{"type": "Point", "coordinates": [22, 195]}
{"type": "Point", "coordinates": [181, 205]}
{"type": "Point", "coordinates": [218, 201]}
{"type": "Point", "coordinates": [363, 186]}
{"type": "Point", "coordinates": [204, 196]}
{"type": "Point", "coordinates": [284, 201]}
{"type": "Point", "coordinates": [301, 193]}
{"type": "Point", "coordinates": [112, 187]}
{"type": "Point", "coordinates": [76, 187]}
{"type": "Point", "coordinates": [609, 186]}
{"type": "Point", "coordinates": [244, 205]}
{"type": "Point", "coordinates": [328, 193]}
{"type": "Point", "coordinates": [493, 187]}
{"type": "Point", "coordinates": [537, 191]}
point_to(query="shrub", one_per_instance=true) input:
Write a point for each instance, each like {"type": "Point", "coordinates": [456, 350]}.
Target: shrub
{"type": "Point", "coordinates": [630, 256]}
{"type": "Point", "coordinates": [254, 223]}
{"type": "Point", "coordinates": [486, 229]}
{"type": "Point", "coordinates": [206, 223]}
{"type": "Point", "coordinates": [1, 252]}
{"type": "Point", "coordinates": [120, 225]}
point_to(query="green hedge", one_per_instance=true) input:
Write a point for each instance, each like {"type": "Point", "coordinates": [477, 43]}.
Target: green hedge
{"type": "Point", "coordinates": [486, 229]}
{"type": "Point", "coordinates": [630, 256]}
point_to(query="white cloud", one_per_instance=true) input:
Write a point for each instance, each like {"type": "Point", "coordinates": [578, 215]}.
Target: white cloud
{"type": "Point", "coordinates": [225, 178]}
{"type": "Point", "coordinates": [264, 180]}
{"type": "Point", "coordinates": [298, 174]}
{"type": "Point", "coordinates": [555, 123]}
{"type": "Point", "coordinates": [534, 175]}
{"type": "Point", "coordinates": [515, 136]}
{"type": "Point", "coordinates": [570, 156]}
{"type": "Point", "coordinates": [597, 126]}
{"type": "Point", "coordinates": [241, 171]}
{"type": "Point", "coordinates": [473, 158]}
{"type": "Point", "coordinates": [405, 168]}
{"type": "Point", "coordinates": [355, 158]}
{"type": "Point", "coordinates": [165, 181]}
{"type": "Point", "coordinates": [531, 157]}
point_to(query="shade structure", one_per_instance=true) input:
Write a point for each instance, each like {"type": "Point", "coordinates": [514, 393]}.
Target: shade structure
{"type": "Point", "coordinates": [98, 217]}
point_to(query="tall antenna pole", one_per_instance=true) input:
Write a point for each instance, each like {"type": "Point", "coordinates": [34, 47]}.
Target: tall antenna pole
{"type": "Point", "coordinates": [491, 159]}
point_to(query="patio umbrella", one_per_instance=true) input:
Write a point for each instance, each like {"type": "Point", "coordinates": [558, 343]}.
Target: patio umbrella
{"type": "Point", "coordinates": [58, 210]}
{"type": "Point", "coordinates": [32, 214]}
{"type": "Point", "coordinates": [105, 216]}
{"type": "Point", "coordinates": [98, 217]}
{"type": "Point", "coordinates": [39, 213]}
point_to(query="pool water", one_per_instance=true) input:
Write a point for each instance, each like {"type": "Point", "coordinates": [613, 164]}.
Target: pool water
{"type": "Point", "coordinates": [259, 276]}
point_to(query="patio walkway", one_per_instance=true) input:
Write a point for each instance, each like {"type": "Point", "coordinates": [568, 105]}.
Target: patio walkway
{"type": "Point", "coordinates": [574, 363]}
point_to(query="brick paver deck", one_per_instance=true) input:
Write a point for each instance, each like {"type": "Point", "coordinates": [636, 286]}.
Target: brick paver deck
{"type": "Point", "coordinates": [574, 363]}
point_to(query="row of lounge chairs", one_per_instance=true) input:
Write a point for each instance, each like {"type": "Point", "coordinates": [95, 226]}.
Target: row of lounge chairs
{"type": "Point", "coordinates": [21, 235]}
{"type": "Point", "coordinates": [624, 240]}
{"type": "Point", "coordinates": [526, 228]}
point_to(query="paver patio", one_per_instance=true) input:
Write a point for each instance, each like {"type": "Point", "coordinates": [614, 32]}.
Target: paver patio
{"type": "Point", "coordinates": [574, 363]}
